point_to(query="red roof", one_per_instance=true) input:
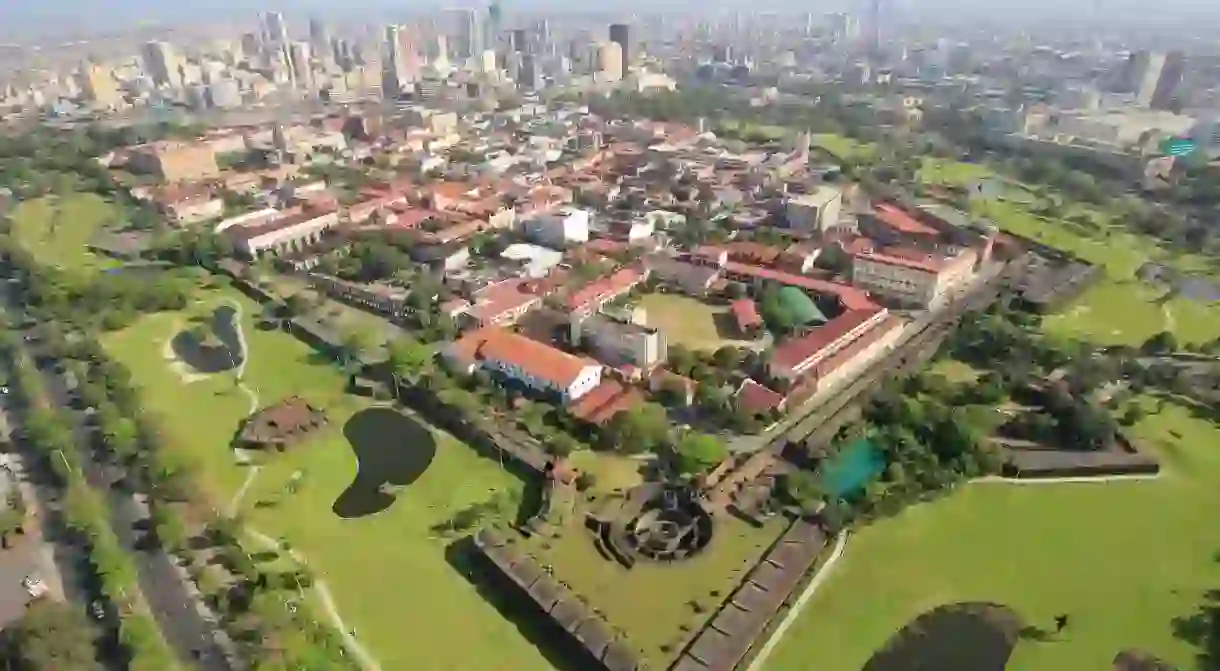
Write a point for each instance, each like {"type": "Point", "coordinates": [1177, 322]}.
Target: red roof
{"type": "Point", "coordinates": [795, 351]}
{"type": "Point", "coordinates": [604, 402]}
{"type": "Point", "coordinates": [902, 222]}
{"type": "Point", "coordinates": [615, 284]}
{"type": "Point", "coordinates": [756, 399]}
{"type": "Point", "coordinates": [851, 297]}
{"type": "Point", "coordinates": [530, 356]}
{"type": "Point", "coordinates": [746, 313]}
{"type": "Point", "coordinates": [832, 362]}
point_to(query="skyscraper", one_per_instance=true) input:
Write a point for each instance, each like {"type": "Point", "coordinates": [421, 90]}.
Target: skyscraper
{"type": "Point", "coordinates": [467, 30]}
{"type": "Point", "coordinates": [99, 86]}
{"type": "Point", "coordinates": [393, 80]}
{"type": "Point", "coordinates": [620, 34]}
{"type": "Point", "coordinates": [319, 36]}
{"type": "Point", "coordinates": [1166, 90]}
{"type": "Point", "coordinates": [161, 63]}
{"type": "Point", "coordinates": [495, 24]}
{"type": "Point", "coordinates": [299, 64]}
{"type": "Point", "coordinates": [610, 61]}
{"type": "Point", "coordinates": [1152, 65]}
{"type": "Point", "coordinates": [274, 29]}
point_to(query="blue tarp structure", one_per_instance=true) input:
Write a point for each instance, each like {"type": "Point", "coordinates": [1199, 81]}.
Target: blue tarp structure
{"type": "Point", "coordinates": [851, 469]}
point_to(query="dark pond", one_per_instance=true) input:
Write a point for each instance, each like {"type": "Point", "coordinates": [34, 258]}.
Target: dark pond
{"type": "Point", "coordinates": [392, 450]}
{"type": "Point", "coordinates": [219, 352]}
{"type": "Point", "coordinates": [957, 637]}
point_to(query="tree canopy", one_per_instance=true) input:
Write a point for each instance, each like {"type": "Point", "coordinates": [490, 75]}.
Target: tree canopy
{"type": "Point", "coordinates": [50, 636]}
{"type": "Point", "coordinates": [698, 453]}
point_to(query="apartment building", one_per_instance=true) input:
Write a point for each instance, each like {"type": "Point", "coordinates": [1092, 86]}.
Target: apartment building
{"type": "Point", "coordinates": [619, 343]}
{"type": "Point", "coordinates": [814, 212]}
{"type": "Point", "coordinates": [538, 367]}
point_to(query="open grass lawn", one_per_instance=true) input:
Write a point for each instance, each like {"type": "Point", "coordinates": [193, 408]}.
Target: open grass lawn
{"type": "Point", "coordinates": [955, 371]}
{"type": "Point", "coordinates": [1128, 313]}
{"type": "Point", "coordinates": [57, 231]}
{"type": "Point", "coordinates": [843, 146]}
{"type": "Point", "coordinates": [691, 322]}
{"type": "Point", "coordinates": [611, 471]}
{"type": "Point", "coordinates": [651, 601]}
{"type": "Point", "coordinates": [390, 578]}
{"type": "Point", "coordinates": [1123, 559]}
{"type": "Point", "coordinates": [952, 173]}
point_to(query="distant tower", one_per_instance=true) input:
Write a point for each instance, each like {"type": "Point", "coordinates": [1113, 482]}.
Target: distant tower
{"type": "Point", "coordinates": [874, 31]}
{"type": "Point", "coordinates": [620, 34]}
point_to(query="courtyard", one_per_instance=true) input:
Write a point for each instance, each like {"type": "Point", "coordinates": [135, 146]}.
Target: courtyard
{"type": "Point", "coordinates": [1129, 561]}
{"type": "Point", "coordinates": [360, 501]}
{"type": "Point", "coordinates": [656, 604]}
{"type": "Point", "coordinates": [691, 322]}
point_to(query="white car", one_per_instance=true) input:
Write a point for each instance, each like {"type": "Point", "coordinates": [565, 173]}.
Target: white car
{"type": "Point", "coordinates": [34, 586]}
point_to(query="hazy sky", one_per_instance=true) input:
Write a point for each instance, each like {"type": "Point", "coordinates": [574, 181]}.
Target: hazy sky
{"type": "Point", "coordinates": [41, 15]}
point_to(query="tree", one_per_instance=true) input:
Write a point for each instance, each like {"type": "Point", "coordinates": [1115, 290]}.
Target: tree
{"type": "Point", "coordinates": [12, 520]}
{"type": "Point", "coordinates": [356, 344]}
{"type": "Point", "coordinates": [804, 488]}
{"type": "Point", "coordinates": [727, 357]}
{"type": "Point", "coordinates": [1161, 343]}
{"type": "Point", "coordinates": [296, 305]}
{"type": "Point", "coordinates": [698, 453]}
{"type": "Point", "coordinates": [50, 636]}
{"type": "Point", "coordinates": [643, 428]}
{"type": "Point", "coordinates": [408, 358]}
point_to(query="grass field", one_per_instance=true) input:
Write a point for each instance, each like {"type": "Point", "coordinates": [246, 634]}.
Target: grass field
{"type": "Point", "coordinates": [952, 173]}
{"type": "Point", "coordinates": [390, 578]}
{"type": "Point", "coordinates": [651, 601]}
{"type": "Point", "coordinates": [56, 232]}
{"type": "Point", "coordinates": [1128, 313]}
{"type": "Point", "coordinates": [690, 322]}
{"type": "Point", "coordinates": [844, 147]}
{"type": "Point", "coordinates": [1124, 559]}
{"type": "Point", "coordinates": [955, 371]}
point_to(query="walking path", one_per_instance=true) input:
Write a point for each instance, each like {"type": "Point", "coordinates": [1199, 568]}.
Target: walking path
{"type": "Point", "coordinates": [1170, 322]}
{"type": "Point", "coordinates": [350, 642]}
{"type": "Point", "coordinates": [1078, 479]}
{"type": "Point", "coordinates": [799, 605]}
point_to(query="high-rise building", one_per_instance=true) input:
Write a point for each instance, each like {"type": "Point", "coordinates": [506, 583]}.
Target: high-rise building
{"type": "Point", "coordinates": [275, 31]}
{"type": "Point", "coordinates": [519, 40]}
{"type": "Point", "coordinates": [250, 46]}
{"type": "Point", "coordinates": [1165, 93]}
{"type": "Point", "coordinates": [528, 77]}
{"type": "Point", "coordinates": [467, 31]}
{"type": "Point", "coordinates": [161, 63]}
{"type": "Point", "coordinates": [610, 61]}
{"type": "Point", "coordinates": [99, 86]}
{"type": "Point", "coordinates": [299, 64]}
{"type": "Point", "coordinates": [394, 68]}
{"type": "Point", "coordinates": [319, 36]}
{"type": "Point", "coordinates": [620, 34]}
{"type": "Point", "coordinates": [1153, 64]}
{"type": "Point", "coordinates": [494, 25]}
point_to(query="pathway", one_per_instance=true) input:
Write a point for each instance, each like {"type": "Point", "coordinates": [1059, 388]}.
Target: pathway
{"type": "Point", "coordinates": [799, 605]}
{"type": "Point", "coordinates": [350, 642]}
{"type": "Point", "coordinates": [1170, 322]}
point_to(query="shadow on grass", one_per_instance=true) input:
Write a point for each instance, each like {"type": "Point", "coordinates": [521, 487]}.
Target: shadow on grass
{"type": "Point", "coordinates": [392, 451]}
{"type": "Point", "coordinates": [560, 648]}
{"type": "Point", "coordinates": [955, 637]}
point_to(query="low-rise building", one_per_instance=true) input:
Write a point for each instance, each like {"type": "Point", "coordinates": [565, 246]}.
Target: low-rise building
{"type": "Point", "coordinates": [282, 235]}
{"type": "Point", "coordinates": [559, 229]}
{"type": "Point", "coordinates": [188, 205]}
{"type": "Point", "coordinates": [800, 356]}
{"type": "Point", "coordinates": [538, 367]}
{"type": "Point", "coordinates": [174, 161]}
{"type": "Point", "coordinates": [377, 296]}
{"type": "Point", "coordinates": [911, 276]}
{"type": "Point", "coordinates": [814, 212]}
{"type": "Point", "coordinates": [617, 343]}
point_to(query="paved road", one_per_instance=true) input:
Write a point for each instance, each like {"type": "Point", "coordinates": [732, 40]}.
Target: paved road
{"type": "Point", "coordinates": [186, 629]}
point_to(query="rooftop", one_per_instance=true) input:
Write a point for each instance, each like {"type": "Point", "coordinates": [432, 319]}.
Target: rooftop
{"type": "Point", "coordinates": [792, 352]}
{"type": "Point", "coordinates": [902, 222]}
{"type": "Point", "coordinates": [530, 356]}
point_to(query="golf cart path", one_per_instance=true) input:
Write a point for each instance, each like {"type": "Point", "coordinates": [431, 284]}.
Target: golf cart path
{"type": "Point", "coordinates": [350, 642]}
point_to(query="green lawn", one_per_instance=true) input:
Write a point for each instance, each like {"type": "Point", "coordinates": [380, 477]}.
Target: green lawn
{"type": "Point", "coordinates": [952, 173]}
{"type": "Point", "coordinates": [57, 231]}
{"type": "Point", "coordinates": [690, 322]}
{"type": "Point", "coordinates": [652, 601]}
{"type": "Point", "coordinates": [955, 371]}
{"type": "Point", "coordinates": [1126, 313]}
{"type": "Point", "coordinates": [1123, 559]}
{"type": "Point", "coordinates": [843, 146]}
{"type": "Point", "coordinates": [389, 576]}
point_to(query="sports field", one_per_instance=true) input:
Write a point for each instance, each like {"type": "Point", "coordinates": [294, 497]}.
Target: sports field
{"type": "Point", "coordinates": [389, 571]}
{"type": "Point", "coordinates": [691, 322]}
{"type": "Point", "coordinates": [1124, 559]}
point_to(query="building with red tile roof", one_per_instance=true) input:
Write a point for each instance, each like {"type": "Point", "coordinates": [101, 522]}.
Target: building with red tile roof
{"type": "Point", "coordinates": [608, 399]}
{"type": "Point", "coordinates": [757, 399]}
{"type": "Point", "coordinates": [591, 297]}
{"type": "Point", "coordinates": [504, 303]}
{"type": "Point", "coordinates": [798, 356]}
{"type": "Point", "coordinates": [539, 367]}
{"type": "Point", "coordinates": [911, 276]}
{"type": "Point", "coordinates": [746, 314]}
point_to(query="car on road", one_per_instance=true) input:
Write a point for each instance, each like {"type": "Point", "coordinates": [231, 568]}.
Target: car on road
{"type": "Point", "coordinates": [34, 586]}
{"type": "Point", "coordinates": [97, 609]}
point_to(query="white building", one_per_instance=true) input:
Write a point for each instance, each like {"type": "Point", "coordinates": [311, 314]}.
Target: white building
{"type": "Point", "coordinates": [561, 228]}
{"type": "Point", "coordinates": [912, 277]}
{"type": "Point", "coordinates": [814, 212]}
{"type": "Point", "coordinates": [283, 235]}
{"type": "Point", "coordinates": [537, 366]}
{"type": "Point", "coordinates": [618, 342]}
